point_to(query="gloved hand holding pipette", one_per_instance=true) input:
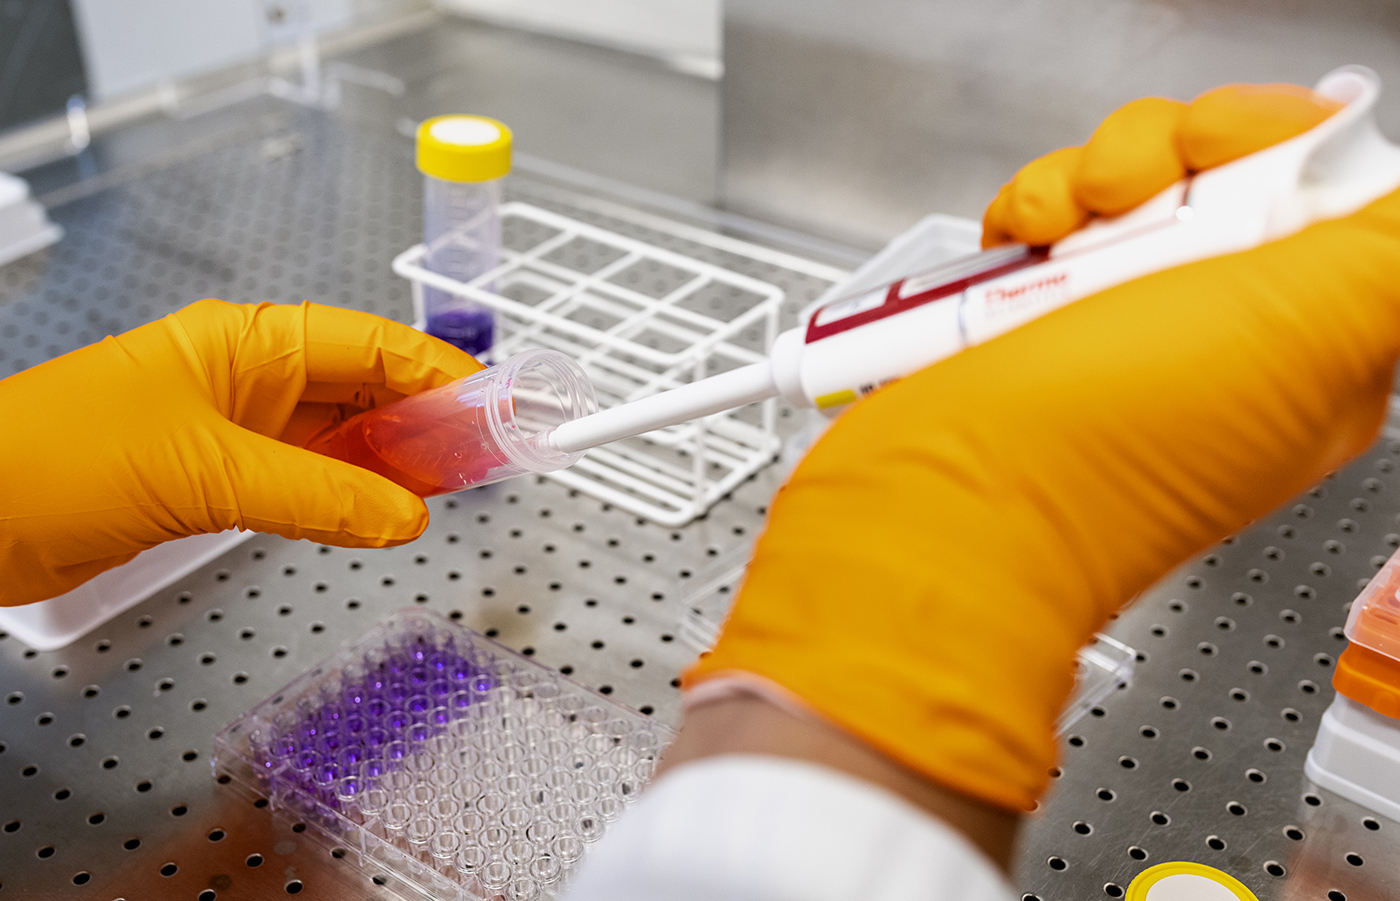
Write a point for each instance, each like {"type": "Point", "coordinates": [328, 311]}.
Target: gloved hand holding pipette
{"type": "Point", "coordinates": [1141, 149]}
{"type": "Point", "coordinates": [905, 635]}
{"type": "Point", "coordinates": [194, 424]}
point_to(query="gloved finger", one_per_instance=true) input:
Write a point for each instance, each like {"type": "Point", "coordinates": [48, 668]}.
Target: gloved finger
{"type": "Point", "coordinates": [345, 347]}
{"type": "Point", "coordinates": [1235, 120]}
{"type": "Point", "coordinates": [996, 225]}
{"type": "Point", "coordinates": [1131, 156]}
{"type": "Point", "coordinates": [1038, 206]}
{"type": "Point", "coordinates": [249, 358]}
{"type": "Point", "coordinates": [259, 359]}
{"type": "Point", "coordinates": [271, 486]}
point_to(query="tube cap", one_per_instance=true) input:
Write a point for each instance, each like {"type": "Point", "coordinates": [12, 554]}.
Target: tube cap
{"type": "Point", "coordinates": [464, 148]}
{"type": "Point", "coordinates": [1369, 678]}
{"type": "Point", "coordinates": [1368, 671]}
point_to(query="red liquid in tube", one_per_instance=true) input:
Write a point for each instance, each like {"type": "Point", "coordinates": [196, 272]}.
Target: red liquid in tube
{"type": "Point", "coordinates": [473, 431]}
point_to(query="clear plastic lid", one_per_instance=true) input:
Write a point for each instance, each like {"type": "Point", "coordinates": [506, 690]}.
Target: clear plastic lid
{"type": "Point", "coordinates": [1374, 621]}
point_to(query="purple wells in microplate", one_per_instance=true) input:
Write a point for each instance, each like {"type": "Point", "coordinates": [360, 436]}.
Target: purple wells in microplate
{"type": "Point", "coordinates": [450, 768]}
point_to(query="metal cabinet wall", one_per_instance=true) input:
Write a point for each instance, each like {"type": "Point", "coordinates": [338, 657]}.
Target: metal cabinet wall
{"type": "Point", "coordinates": [133, 44]}
{"type": "Point", "coordinates": [853, 119]}
{"type": "Point", "coordinates": [40, 64]}
{"type": "Point", "coordinates": [685, 32]}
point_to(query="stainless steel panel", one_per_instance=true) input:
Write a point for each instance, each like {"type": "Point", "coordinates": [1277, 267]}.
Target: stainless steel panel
{"type": "Point", "coordinates": [614, 114]}
{"type": "Point", "coordinates": [855, 119]}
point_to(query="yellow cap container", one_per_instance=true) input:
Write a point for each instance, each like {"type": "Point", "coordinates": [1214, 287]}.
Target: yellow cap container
{"type": "Point", "coordinates": [1187, 879]}
{"type": "Point", "coordinates": [464, 148]}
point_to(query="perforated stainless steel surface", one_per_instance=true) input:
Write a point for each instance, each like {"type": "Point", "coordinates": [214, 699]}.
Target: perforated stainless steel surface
{"type": "Point", "coordinates": [104, 773]}
{"type": "Point", "coordinates": [105, 789]}
{"type": "Point", "coordinates": [1201, 758]}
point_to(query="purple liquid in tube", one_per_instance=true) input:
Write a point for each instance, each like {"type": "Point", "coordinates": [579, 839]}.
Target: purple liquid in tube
{"type": "Point", "coordinates": [472, 329]}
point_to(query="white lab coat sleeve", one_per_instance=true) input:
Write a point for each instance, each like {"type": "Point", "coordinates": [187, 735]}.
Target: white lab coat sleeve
{"type": "Point", "coordinates": [756, 828]}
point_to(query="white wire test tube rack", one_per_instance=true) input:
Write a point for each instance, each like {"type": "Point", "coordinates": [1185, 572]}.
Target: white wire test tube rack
{"type": "Point", "coordinates": [640, 319]}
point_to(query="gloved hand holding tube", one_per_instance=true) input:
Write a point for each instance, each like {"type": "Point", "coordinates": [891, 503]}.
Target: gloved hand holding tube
{"type": "Point", "coordinates": [195, 423]}
{"type": "Point", "coordinates": [932, 566]}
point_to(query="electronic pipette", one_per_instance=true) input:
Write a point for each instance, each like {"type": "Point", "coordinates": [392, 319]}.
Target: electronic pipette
{"type": "Point", "coordinates": [853, 345]}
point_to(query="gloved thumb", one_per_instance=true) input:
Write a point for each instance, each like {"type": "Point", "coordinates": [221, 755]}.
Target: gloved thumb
{"type": "Point", "coordinates": [275, 487]}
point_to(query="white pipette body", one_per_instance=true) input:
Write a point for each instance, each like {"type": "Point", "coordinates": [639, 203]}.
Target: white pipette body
{"type": "Point", "coordinates": [851, 346]}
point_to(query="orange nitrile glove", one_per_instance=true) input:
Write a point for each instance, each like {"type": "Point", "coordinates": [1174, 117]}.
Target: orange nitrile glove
{"type": "Point", "coordinates": [193, 424]}
{"type": "Point", "coordinates": [1143, 148]}
{"type": "Point", "coordinates": [931, 568]}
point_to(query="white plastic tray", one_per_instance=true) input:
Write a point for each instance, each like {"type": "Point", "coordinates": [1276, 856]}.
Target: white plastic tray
{"type": "Point", "coordinates": [1357, 755]}
{"type": "Point", "coordinates": [58, 621]}
{"type": "Point", "coordinates": [24, 226]}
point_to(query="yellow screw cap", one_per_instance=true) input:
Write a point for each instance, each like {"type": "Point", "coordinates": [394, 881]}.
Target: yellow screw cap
{"type": "Point", "coordinates": [1183, 880]}
{"type": "Point", "coordinates": [463, 148]}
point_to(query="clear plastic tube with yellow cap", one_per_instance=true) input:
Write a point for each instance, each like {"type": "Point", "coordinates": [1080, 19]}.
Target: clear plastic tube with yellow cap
{"type": "Point", "coordinates": [463, 160]}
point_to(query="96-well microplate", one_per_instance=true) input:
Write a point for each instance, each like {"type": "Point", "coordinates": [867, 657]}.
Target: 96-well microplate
{"type": "Point", "coordinates": [445, 765]}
